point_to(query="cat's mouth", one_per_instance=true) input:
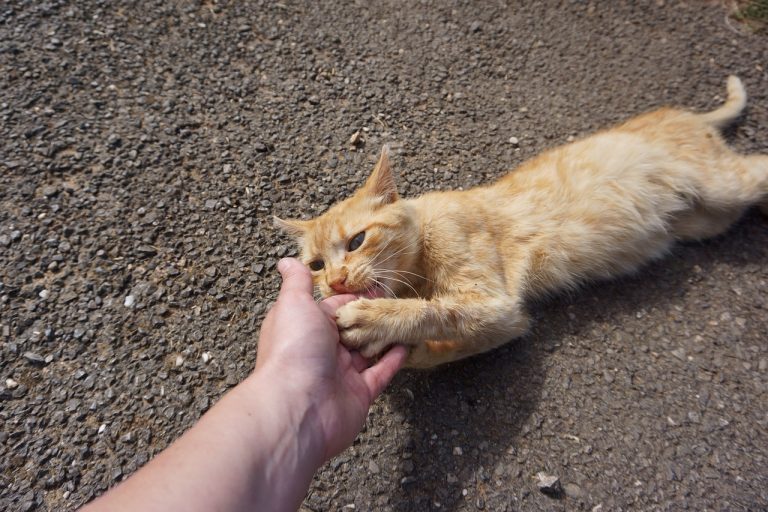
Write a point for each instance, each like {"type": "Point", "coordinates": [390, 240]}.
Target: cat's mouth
{"type": "Point", "coordinates": [373, 291]}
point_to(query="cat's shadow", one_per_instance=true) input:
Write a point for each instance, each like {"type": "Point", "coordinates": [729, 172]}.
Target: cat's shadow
{"type": "Point", "coordinates": [463, 417]}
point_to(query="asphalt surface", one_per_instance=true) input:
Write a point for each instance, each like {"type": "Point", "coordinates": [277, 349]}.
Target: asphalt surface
{"type": "Point", "coordinates": [145, 145]}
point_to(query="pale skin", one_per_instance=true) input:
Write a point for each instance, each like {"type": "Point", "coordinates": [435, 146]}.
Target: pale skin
{"type": "Point", "coordinates": [259, 447]}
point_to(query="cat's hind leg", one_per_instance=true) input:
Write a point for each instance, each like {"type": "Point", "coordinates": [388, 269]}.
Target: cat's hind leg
{"type": "Point", "coordinates": [759, 163]}
{"type": "Point", "coordinates": [701, 222]}
{"type": "Point", "coordinates": [436, 352]}
{"type": "Point", "coordinates": [723, 195]}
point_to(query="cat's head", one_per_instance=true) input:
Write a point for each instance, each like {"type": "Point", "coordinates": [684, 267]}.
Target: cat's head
{"type": "Point", "coordinates": [359, 244]}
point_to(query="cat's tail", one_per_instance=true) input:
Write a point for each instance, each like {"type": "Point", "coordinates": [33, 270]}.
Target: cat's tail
{"type": "Point", "coordinates": [732, 108]}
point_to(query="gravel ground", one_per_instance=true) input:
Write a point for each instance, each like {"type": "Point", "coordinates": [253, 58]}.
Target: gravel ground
{"type": "Point", "coordinates": [145, 146]}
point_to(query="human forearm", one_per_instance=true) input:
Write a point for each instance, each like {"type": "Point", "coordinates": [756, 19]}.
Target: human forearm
{"type": "Point", "coordinates": [257, 449]}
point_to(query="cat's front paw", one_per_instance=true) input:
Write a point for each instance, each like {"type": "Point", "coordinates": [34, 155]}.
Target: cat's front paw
{"type": "Point", "coordinates": [362, 328]}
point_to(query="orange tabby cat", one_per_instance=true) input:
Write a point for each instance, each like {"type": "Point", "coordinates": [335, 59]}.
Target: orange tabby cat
{"type": "Point", "coordinates": [448, 273]}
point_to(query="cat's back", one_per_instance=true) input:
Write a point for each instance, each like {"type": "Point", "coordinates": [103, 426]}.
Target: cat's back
{"type": "Point", "coordinates": [455, 214]}
{"type": "Point", "coordinates": [645, 164]}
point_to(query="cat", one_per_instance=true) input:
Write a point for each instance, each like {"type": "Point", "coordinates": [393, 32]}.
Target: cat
{"type": "Point", "coordinates": [449, 273]}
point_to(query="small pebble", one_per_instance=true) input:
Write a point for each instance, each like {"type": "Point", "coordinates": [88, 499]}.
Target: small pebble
{"type": "Point", "coordinates": [11, 384]}
{"type": "Point", "coordinates": [129, 301]}
{"type": "Point", "coordinates": [206, 357]}
{"type": "Point", "coordinates": [44, 294]}
{"type": "Point", "coordinates": [356, 139]}
{"type": "Point", "coordinates": [573, 491]}
{"type": "Point", "coordinates": [514, 141]}
{"type": "Point", "coordinates": [548, 484]}
{"type": "Point", "coordinates": [179, 360]}
{"type": "Point", "coordinates": [679, 353]}
{"type": "Point", "coordinates": [33, 357]}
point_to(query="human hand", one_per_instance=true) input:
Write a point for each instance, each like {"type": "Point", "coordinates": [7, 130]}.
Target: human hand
{"type": "Point", "coordinates": [299, 346]}
{"type": "Point", "coordinates": [259, 446]}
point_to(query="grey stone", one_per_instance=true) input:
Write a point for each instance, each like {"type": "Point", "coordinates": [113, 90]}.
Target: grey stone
{"type": "Point", "coordinates": [548, 484]}
{"type": "Point", "coordinates": [34, 358]}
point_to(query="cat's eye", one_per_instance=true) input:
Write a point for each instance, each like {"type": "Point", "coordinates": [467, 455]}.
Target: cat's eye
{"type": "Point", "coordinates": [356, 241]}
{"type": "Point", "coordinates": [316, 265]}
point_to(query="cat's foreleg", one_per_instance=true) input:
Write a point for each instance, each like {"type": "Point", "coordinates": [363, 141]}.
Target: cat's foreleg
{"type": "Point", "coordinates": [471, 322]}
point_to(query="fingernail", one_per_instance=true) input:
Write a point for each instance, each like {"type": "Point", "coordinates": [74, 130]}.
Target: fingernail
{"type": "Point", "coordinates": [284, 264]}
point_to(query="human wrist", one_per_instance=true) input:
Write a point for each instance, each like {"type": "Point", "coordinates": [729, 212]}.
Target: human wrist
{"type": "Point", "coordinates": [285, 412]}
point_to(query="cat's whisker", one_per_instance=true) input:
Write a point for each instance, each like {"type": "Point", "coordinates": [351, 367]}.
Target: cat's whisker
{"type": "Point", "coordinates": [400, 251]}
{"type": "Point", "coordinates": [393, 255]}
{"type": "Point", "coordinates": [406, 283]}
{"type": "Point", "coordinates": [387, 289]}
{"type": "Point", "coordinates": [400, 278]}
{"type": "Point", "coordinates": [378, 281]}
{"type": "Point", "coordinates": [405, 272]}
{"type": "Point", "coordinates": [380, 251]}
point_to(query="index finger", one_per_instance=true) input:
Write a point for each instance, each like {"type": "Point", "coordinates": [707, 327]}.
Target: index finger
{"type": "Point", "coordinates": [378, 376]}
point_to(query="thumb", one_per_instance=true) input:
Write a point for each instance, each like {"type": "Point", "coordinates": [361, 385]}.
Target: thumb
{"type": "Point", "coordinates": [334, 302]}
{"type": "Point", "coordinates": [296, 277]}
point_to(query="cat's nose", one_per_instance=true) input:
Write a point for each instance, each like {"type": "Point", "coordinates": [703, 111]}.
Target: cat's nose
{"type": "Point", "coordinates": [339, 286]}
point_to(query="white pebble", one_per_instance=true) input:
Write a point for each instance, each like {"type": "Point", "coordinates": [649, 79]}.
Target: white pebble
{"type": "Point", "coordinates": [514, 140]}
{"type": "Point", "coordinates": [179, 360]}
{"type": "Point", "coordinates": [11, 384]}
{"type": "Point", "coordinates": [129, 301]}
{"type": "Point", "coordinates": [44, 294]}
{"type": "Point", "coordinates": [457, 450]}
{"type": "Point", "coordinates": [102, 428]}
{"type": "Point", "coordinates": [206, 357]}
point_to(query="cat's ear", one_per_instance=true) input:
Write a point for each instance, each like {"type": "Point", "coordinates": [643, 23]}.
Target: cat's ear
{"type": "Point", "coordinates": [294, 227]}
{"type": "Point", "coordinates": [381, 183]}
